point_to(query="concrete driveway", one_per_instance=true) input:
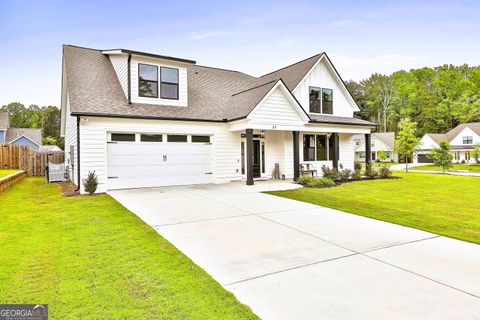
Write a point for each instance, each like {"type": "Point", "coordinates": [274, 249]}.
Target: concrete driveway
{"type": "Point", "coordinates": [293, 260]}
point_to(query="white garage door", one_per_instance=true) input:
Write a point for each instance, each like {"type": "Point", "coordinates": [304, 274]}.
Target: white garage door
{"type": "Point", "coordinates": [141, 163]}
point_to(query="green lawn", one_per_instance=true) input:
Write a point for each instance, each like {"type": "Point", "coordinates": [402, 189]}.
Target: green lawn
{"type": "Point", "coordinates": [90, 258]}
{"type": "Point", "coordinates": [443, 204]}
{"type": "Point", "coordinates": [4, 173]}
{"type": "Point", "coordinates": [380, 164]}
{"type": "Point", "coordinates": [456, 167]}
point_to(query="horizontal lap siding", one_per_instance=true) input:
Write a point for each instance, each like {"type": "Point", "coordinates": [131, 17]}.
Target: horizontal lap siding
{"type": "Point", "coordinates": [226, 145]}
{"type": "Point", "coordinates": [71, 140]}
{"type": "Point", "coordinates": [120, 65]}
{"type": "Point", "coordinates": [276, 109]}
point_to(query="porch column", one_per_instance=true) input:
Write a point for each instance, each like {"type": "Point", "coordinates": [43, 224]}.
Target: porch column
{"type": "Point", "coordinates": [296, 156]}
{"type": "Point", "coordinates": [368, 151]}
{"type": "Point", "coordinates": [249, 138]}
{"type": "Point", "coordinates": [336, 149]}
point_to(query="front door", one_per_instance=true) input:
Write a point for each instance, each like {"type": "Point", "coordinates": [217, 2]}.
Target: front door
{"type": "Point", "coordinates": [256, 159]}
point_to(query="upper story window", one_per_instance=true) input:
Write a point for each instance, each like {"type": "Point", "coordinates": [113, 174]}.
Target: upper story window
{"type": "Point", "coordinates": [321, 100]}
{"type": "Point", "coordinates": [168, 83]}
{"type": "Point", "coordinates": [357, 142]}
{"type": "Point", "coordinates": [468, 140]}
{"type": "Point", "coordinates": [147, 80]}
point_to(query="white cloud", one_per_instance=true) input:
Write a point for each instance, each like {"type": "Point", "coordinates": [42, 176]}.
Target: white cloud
{"type": "Point", "coordinates": [209, 34]}
{"type": "Point", "coordinates": [342, 23]}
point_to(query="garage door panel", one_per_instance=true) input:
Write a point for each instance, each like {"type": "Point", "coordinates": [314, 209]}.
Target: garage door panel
{"type": "Point", "coordinates": [139, 164]}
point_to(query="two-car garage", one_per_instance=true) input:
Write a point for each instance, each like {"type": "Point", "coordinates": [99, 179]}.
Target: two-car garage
{"type": "Point", "coordinates": [136, 160]}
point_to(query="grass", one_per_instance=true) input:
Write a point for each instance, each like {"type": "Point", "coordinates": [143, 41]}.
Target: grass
{"type": "Point", "coordinates": [90, 258]}
{"type": "Point", "coordinates": [442, 204]}
{"type": "Point", "coordinates": [456, 167]}
{"type": "Point", "coordinates": [380, 164]}
{"type": "Point", "coordinates": [4, 173]}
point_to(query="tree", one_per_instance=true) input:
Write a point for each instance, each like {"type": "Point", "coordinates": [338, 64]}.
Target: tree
{"type": "Point", "coordinates": [476, 153]}
{"type": "Point", "coordinates": [381, 155]}
{"type": "Point", "coordinates": [442, 156]}
{"type": "Point", "coordinates": [406, 142]}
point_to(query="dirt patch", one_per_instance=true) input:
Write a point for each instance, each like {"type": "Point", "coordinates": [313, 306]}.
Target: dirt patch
{"type": "Point", "coordinates": [68, 189]}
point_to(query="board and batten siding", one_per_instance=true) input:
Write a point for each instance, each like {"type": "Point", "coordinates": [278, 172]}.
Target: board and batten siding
{"type": "Point", "coordinates": [182, 81]}
{"type": "Point", "coordinates": [70, 140]}
{"type": "Point", "coordinates": [120, 65]}
{"type": "Point", "coordinates": [322, 76]}
{"type": "Point", "coordinates": [276, 109]}
{"type": "Point", "coordinates": [347, 153]}
{"type": "Point", "coordinates": [93, 139]}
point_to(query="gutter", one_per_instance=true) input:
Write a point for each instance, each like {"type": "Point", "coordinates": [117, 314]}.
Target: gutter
{"type": "Point", "coordinates": [129, 95]}
{"type": "Point", "coordinates": [78, 154]}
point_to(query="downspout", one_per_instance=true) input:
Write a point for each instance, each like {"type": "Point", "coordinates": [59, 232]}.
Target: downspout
{"type": "Point", "coordinates": [129, 94]}
{"type": "Point", "coordinates": [78, 153]}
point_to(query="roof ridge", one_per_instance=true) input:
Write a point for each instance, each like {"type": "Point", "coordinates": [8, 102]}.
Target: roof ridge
{"type": "Point", "coordinates": [223, 69]}
{"type": "Point", "coordinates": [80, 47]}
{"type": "Point", "coordinates": [291, 65]}
{"type": "Point", "coordinates": [255, 87]}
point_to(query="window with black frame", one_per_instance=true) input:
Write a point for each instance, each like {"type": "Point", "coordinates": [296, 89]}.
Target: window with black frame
{"type": "Point", "coordinates": [308, 147]}
{"type": "Point", "coordinates": [147, 81]}
{"type": "Point", "coordinates": [169, 83]}
{"type": "Point", "coordinates": [468, 140]}
{"type": "Point", "coordinates": [321, 148]}
{"type": "Point", "coordinates": [315, 102]}
{"type": "Point", "coordinates": [327, 101]}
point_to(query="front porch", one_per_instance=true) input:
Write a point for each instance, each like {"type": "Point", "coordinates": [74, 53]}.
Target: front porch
{"type": "Point", "coordinates": [278, 154]}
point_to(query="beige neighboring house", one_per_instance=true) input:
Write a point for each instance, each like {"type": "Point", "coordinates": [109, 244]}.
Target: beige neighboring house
{"type": "Point", "coordinates": [381, 141]}
{"type": "Point", "coordinates": [462, 139]}
{"type": "Point", "coordinates": [19, 136]}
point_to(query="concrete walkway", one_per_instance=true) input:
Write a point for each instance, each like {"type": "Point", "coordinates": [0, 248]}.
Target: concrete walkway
{"type": "Point", "coordinates": [293, 260]}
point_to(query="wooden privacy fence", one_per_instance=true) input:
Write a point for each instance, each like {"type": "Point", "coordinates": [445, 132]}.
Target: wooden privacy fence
{"type": "Point", "coordinates": [25, 158]}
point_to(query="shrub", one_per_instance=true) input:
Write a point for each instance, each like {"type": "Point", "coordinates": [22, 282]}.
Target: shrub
{"type": "Point", "coordinates": [344, 175]}
{"type": "Point", "coordinates": [357, 165]}
{"type": "Point", "coordinates": [357, 174]}
{"type": "Point", "coordinates": [372, 173]}
{"type": "Point", "coordinates": [385, 172]}
{"type": "Point", "coordinates": [304, 180]}
{"type": "Point", "coordinates": [330, 173]}
{"type": "Point", "coordinates": [463, 161]}
{"type": "Point", "coordinates": [320, 183]}
{"type": "Point", "coordinates": [91, 182]}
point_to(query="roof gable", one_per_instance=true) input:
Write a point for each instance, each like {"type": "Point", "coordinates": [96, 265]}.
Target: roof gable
{"type": "Point", "coordinates": [34, 135]}
{"type": "Point", "coordinates": [279, 107]}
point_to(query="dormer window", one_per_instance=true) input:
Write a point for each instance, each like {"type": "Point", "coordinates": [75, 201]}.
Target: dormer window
{"type": "Point", "coordinates": [321, 100]}
{"type": "Point", "coordinates": [147, 80]}
{"type": "Point", "coordinates": [468, 140]}
{"type": "Point", "coordinates": [168, 83]}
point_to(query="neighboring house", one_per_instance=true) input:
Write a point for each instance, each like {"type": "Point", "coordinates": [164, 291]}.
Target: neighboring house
{"type": "Point", "coordinates": [380, 141]}
{"type": "Point", "coordinates": [144, 120]}
{"type": "Point", "coordinates": [462, 139]}
{"type": "Point", "coordinates": [50, 148]}
{"type": "Point", "coordinates": [20, 136]}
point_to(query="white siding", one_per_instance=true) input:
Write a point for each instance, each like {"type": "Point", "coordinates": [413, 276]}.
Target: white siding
{"type": "Point", "coordinates": [70, 140]}
{"type": "Point", "coordinates": [427, 143]}
{"type": "Point", "coordinates": [120, 65]}
{"type": "Point", "coordinates": [466, 132]}
{"type": "Point", "coordinates": [182, 78]}
{"type": "Point", "coordinates": [276, 109]}
{"type": "Point", "coordinates": [274, 152]}
{"type": "Point", "coordinates": [322, 76]}
{"type": "Point", "coordinates": [347, 155]}
{"type": "Point", "coordinates": [93, 139]}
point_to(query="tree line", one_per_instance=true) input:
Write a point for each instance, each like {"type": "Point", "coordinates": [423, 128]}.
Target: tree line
{"type": "Point", "coordinates": [47, 118]}
{"type": "Point", "coordinates": [436, 99]}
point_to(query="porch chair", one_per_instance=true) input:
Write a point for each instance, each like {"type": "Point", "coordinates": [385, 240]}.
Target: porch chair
{"type": "Point", "coordinates": [307, 168]}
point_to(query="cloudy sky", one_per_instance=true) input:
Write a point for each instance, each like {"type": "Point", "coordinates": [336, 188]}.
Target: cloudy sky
{"type": "Point", "coordinates": [251, 36]}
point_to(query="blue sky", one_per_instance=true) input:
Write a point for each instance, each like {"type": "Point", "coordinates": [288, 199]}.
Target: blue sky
{"type": "Point", "coordinates": [251, 36]}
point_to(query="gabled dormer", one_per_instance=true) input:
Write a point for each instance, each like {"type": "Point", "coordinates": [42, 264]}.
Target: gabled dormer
{"type": "Point", "coordinates": [151, 79]}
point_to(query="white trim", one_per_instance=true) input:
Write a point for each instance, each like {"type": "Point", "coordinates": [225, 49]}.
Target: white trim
{"type": "Point", "coordinates": [337, 78]}
{"type": "Point", "coordinates": [288, 94]}
{"type": "Point", "coordinates": [115, 51]}
{"type": "Point", "coordinates": [24, 136]}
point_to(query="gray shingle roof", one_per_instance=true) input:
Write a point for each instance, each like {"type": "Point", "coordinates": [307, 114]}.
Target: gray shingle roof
{"type": "Point", "coordinates": [386, 137]}
{"type": "Point", "coordinates": [320, 118]}
{"type": "Point", "coordinates": [4, 120]}
{"type": "Point", "coordinates": [33, 134]}
{"type": "Point", "coordinates": [213, 94]}
{"type": "Point", "coordinates": [450, 135]}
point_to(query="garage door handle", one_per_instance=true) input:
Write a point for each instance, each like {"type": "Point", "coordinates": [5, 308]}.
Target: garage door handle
{"type": "Point", "coordinates": [112, 177]}
{"type": "Point", "coordinates": [208, 172]}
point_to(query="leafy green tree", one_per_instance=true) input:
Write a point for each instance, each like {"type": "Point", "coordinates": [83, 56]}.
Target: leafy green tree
{"type": "Point", "coordinates": [381, 155]}
{"type": "Point", "coordinates": [476, 153]}
{"type": "Point", "coordinates": [442, 157]}
{"type": "Point", "coordinates": [406, 142]}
